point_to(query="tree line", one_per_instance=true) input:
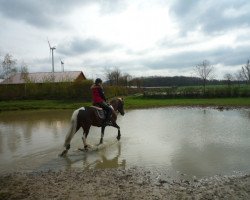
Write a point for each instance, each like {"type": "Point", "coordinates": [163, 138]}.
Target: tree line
{"type": "Point", "coordinates": [204, 74]}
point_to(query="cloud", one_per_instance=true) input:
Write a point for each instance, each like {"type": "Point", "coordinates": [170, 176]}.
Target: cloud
{"type": "Point", "coordinates": [47, 13]}
{"type": "Point", "coordinates": [211, 16]}
{"type": "Point", "coordinates": [79, 46]}
{"type": "Point", "coordinates": [180, 60]}
{"type": "Point", "coordinates": [190, 58]}
{"type": "Point", "coordinates": [136, 36]}
{"type": "Point", "coordinates": [112, 6]}
{"type": "Point", "coordinates": [36, 13]}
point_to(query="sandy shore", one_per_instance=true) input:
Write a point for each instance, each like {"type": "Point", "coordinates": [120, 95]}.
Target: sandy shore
{"type": "Point", "coordinates": [119, 184]}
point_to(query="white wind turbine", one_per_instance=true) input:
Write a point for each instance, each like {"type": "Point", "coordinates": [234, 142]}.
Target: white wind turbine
{"type": "Point", "coordinates": [52, 54]}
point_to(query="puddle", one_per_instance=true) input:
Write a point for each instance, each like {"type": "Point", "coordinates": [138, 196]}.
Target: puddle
{"type": "Point", "coordinates": [190, 141]}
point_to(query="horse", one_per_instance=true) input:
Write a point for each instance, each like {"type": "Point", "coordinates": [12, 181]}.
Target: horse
{"type": "Point", "coordinates": [86, 117]}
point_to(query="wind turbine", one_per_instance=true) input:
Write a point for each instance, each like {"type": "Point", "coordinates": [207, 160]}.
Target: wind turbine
{"type": "Point", "coordinates": [62, 65]}
{"type": "Point", "coordinates": [52, 53]}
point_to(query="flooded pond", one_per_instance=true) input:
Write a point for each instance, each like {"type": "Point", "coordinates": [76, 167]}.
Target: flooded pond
{"type": "Point", "coordinates": [193, 141]}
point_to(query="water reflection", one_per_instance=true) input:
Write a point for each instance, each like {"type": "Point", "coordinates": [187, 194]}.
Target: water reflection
{"type": "Point", "coordinates": [103, 160]}
{"type": "Point", "coordinates": [211, 159]}
{"type": "Point", "coordinates": [114, 162]}
{"type": "Point", "coordinates": [23, 132]}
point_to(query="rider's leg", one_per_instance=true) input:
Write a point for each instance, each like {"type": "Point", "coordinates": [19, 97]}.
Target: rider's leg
{"type": "Point", "coordinates": [108, 115]}
{"type": "Point", "coordinates": [108, 110]}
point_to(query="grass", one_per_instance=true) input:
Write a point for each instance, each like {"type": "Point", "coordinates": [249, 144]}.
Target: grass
{"type": "Point", "coordinates": [40, 104]}
{"type": "Point", "coordinates": [140, 102]}
{"type": "Point", "coordinates": [131, 102]}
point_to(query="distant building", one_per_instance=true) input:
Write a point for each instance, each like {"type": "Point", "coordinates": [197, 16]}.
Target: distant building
{"type": "Point", "coordinates": [43, 77]}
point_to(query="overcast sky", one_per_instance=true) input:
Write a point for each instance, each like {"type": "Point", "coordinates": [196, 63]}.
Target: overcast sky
{"type": "Point", "coordinates": [140, 37]}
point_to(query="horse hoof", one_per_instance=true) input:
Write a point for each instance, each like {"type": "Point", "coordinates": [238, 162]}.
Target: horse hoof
{"type": "Point", "coordinates": [63, 154]}
{"type": "Point", "coordinates": [86, 148]}
{"type": "Point", "coordinates": [118, 138]}
{"type": "Point", "coordinates": [83, 149]}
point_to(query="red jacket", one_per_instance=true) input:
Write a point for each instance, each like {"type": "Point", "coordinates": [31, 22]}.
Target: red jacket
{"type": "Point", "coordinates": [97, 94]}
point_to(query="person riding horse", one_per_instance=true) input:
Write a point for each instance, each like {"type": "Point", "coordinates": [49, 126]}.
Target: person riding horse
{"type": "Point", "coordinates": [99, 100]}
{"type": "Point", "coordinates": [85, 117]}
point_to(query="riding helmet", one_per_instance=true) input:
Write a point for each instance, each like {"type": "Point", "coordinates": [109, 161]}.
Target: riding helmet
{"type": "Point", "coordinates": [98, 81]}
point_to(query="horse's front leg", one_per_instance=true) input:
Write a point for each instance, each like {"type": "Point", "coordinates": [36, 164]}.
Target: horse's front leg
{"type": "Point", "coordinates": [102, 134]}
{"type": "Point", "coordinates": [119, 132]}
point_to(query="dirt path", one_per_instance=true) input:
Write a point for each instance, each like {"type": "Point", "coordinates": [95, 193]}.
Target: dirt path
{"type": "Point", "coordinates": [119, 184]}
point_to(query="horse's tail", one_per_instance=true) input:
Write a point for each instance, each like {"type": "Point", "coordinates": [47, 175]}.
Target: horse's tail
{"type": "Point", "coordinates": [72, 128]}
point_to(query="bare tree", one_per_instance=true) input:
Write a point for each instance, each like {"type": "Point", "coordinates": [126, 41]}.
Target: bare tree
{"type": "Point", "coordinates": [24, 72]}
{"type": "Point", "coordinates": [239, 76]}
{"type": "Point", "coordinates": [229, 77]}
{"type": "Point", "coordinates": [108, 76]}
{"type": "Point", "coordinates": [204, 70]}
{"type": "Point", "coordinates": [125, 79]}
{"type": "Point", "coordinates": [8, 66]}
{"type": "Point", "coordinates": [246, 72]}
{"type": "Point", "coordinates": [138, 82]}
{"type": "Point", "coordinates": [113, 76]}
{"type": "Point", "coordinates": [116, 74]}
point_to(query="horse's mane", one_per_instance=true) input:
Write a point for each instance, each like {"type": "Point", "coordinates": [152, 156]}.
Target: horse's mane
{"type": "Point", "coordinates": [115, 99]}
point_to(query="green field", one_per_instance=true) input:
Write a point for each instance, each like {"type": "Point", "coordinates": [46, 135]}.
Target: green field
{"type": "Point", "coordinates": [39, 104]}
{"type": "Point", "coordinates": [131, 102]}
{"type": "Point", "coordinates": [140, 102]}
{"type": "Point", "coordinates": [212, 91]}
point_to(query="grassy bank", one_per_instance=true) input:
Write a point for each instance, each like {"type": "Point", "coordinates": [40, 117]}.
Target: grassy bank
{"type": "Point", "coordinates": [130, 103]}
{"type": "Point", "coordinates": [40, 104]}
{"type": "Point", "coordinates": [140, 102]}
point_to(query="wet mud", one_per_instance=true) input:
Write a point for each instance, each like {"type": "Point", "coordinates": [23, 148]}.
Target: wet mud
{"type": "Point", "coordinates": [133, 183]}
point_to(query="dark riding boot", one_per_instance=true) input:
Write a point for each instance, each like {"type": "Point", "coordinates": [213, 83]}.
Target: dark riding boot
{"type": "Point", "coordinates": [107, 121]}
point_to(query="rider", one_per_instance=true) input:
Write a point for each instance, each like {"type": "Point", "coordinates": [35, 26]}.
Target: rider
{"type": "Point", "coordinates": [99, 99]}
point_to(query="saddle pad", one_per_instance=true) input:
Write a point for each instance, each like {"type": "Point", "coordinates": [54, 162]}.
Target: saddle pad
{"type": "Point", "coordinates": [98, 108]}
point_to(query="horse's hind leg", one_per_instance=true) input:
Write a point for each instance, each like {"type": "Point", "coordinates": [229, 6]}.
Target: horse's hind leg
{"type": "Point", "coordinates": [74, 127]}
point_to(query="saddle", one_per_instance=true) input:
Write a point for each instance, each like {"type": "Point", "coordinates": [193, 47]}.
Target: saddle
{"type": "Point", "coordinates": [99, 112]}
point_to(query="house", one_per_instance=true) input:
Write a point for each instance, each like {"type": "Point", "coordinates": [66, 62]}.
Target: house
{"type": "Point", "coordinates": [43, 77]}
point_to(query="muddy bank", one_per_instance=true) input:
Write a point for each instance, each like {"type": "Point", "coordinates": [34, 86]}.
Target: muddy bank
{"type": "Point", "coordinates": [119, 184]}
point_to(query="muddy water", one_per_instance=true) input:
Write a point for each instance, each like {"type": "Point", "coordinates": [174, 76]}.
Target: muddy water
{"type": "Point", "coordinates": [192, 141]}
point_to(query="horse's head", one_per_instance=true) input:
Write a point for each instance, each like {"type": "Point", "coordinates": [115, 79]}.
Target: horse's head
{"type": "Point", "coordinates": [120, 106]}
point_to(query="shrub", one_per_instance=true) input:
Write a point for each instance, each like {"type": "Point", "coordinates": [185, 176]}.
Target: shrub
{"type": "Point", "coordinates": [66, 90]}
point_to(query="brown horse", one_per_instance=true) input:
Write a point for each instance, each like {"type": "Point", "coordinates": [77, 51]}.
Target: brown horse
{"type": "Point", "coordinates": [86, 117]}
